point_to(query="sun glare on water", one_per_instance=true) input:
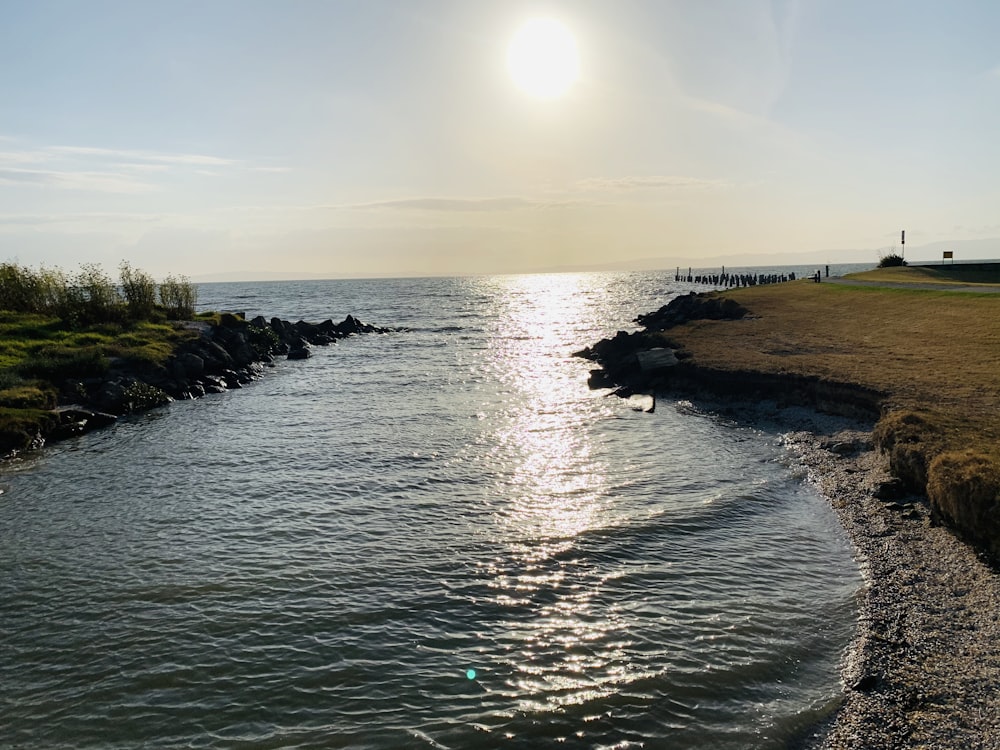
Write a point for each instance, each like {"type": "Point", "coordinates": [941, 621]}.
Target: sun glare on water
{"type": "Point", "coordinates": [542, 58]}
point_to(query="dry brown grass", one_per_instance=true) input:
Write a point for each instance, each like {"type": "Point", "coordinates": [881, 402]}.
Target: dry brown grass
{"type": "Point", "coordinates": [927, 350]}
{"type": "Point", "coordinates": [934, 354]}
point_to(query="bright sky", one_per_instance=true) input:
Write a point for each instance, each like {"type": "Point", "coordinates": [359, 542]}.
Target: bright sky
{"type": "Point", "coordinates": [388, 137]}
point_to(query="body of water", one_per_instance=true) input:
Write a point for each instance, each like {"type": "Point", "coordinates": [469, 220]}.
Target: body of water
{"type": "Point", "coordinates": [434, 538]}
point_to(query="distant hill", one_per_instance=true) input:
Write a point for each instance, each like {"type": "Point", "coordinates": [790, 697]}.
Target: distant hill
{"type": "Point", "coordinates": [985, 249]}
{"type": "Point", "coordinates": [964, 250]}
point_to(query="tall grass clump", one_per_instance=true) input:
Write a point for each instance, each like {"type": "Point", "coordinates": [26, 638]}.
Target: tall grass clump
{"type": "Point", "coordinates": [91, 297]}
{"type": "Point", "coordinates": [27, 291]}
{"type": "Point", "coordinates": [178, 297]}
{"type": "Point", "coordinates": [17, 288]}
{"type": "Point", "coordinates": [139, 291]}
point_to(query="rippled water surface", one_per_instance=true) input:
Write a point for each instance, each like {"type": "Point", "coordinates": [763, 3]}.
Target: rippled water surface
{"type": "Point", "coordinates": [435, 538]}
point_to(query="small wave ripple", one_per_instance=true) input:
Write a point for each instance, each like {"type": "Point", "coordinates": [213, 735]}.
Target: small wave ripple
{"type": "Point", "coordinates": [432, 539]}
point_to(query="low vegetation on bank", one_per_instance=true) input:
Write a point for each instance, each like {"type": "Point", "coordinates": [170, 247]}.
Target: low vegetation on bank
{"type": "Point", "coordinates": [57, 326]}
{"type": "Point", "coordinates": [90, 296]}
{"type": "Point", "coordinates": [931, 357]}
{"type": "Point", "coordinates": [79, 351]}
{"type": "Point", "coordinates": [942, 275]}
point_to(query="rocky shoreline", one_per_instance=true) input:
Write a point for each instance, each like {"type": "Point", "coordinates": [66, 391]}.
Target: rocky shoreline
{"type": "Point", "coordinates": [648, 360]}
{"type": "Point", "coordinates": [924, 667]}
{"type": "Point", "coordinates": [222, 356]}
{"type": "Point", "coordinates": [961, 483]}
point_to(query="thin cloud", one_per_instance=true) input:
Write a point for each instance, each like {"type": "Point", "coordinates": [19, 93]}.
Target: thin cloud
{"type": "Point", "coordinates": [458, 204]}
{"type": "Point", "coordinates": [199, 160]}
{"type": "Point", "coordinates": [143, 168]}
{"type": "Point", "coordinates": [108, 169]}
{"type": "Point", "coordinates": [96, 217]}
{"type": "Point", "coordinates": [22, 157]}
{"type": "Point", "coordinates": [103, 182]}
{"type": "Point", "coordinates": [648, 182]}
{"type": "Point", "coordinates": [105, 170]}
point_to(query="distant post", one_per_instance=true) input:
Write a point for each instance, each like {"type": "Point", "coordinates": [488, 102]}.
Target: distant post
{"type": "Point", "coordinates": [902, 242]}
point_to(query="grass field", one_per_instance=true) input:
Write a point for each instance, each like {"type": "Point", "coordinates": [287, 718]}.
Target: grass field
{"type": "Point", "coordinates": [38, 353]}
{"type": "Point", "coordinates": [935, 354]}
{"type": "Point", "coordinates": [25, 337]}
{"type": "Point", "coordinates": [927, 349]}
{"type": "Point", "coordinates": [944, 274]}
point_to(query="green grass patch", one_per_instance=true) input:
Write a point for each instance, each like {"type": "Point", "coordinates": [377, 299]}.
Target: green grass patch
{"type": "Point", "coordinates": [57, 363]}
{"type": "Point", "coordinates": [209, 317]}
{"type": "Point", "coordinates": [38, 354]}
{"type": "Point", "coordinates": [945, 274]}
{"type": "Point", "coordinates": [38, 347]}
{"type": "Point", "coordinates": [28, 396]}
{"type": "Point", "coordinates": [57, 327]}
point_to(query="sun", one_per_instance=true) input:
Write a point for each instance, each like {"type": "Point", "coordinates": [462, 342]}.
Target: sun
{"type": "Point", "coordinates": [542, 58]}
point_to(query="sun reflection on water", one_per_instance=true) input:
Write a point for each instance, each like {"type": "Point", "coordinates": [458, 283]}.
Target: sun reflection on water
{"type": "Point", "coordinates": [554, 487]}
{"type": "Point", "coordinates": [564, 644]}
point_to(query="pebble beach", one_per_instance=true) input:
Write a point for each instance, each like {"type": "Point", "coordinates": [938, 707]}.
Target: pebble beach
{"type": "Point", "coordinates": [924, 667]}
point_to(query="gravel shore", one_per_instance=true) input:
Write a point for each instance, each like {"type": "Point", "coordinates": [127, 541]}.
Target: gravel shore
{"type": "Point", "coordinates": [924, 668]}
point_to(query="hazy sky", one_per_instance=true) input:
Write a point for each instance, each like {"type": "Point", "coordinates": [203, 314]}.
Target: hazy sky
{"type": "Point", "coordinates": [386, 137]}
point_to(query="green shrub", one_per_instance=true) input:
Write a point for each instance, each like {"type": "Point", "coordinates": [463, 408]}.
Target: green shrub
{"type": "Point", "coordinates": [90, 297]}
{"type": "Point", "coordinates": [140, 396]}
{"type": "Point", "coordinates": [98, 295]}
{"type": "Point", "coordinates": [50, 289]}
{"type": "Point", "coordinates": [262, 340]}
{"type": "Point", "coordinates": [139, 291]}
{"type": "Point", "coordinates": [17, 288]}
{"type": "Point", "coordinates": [891, 260]}
{"type": "Point", "coordinates": [178, 296]}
